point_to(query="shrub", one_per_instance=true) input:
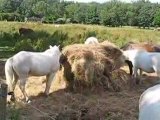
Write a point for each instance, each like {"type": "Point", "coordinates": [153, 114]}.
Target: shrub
{"type": "Point", "coordinates": [8, 39]}
{"type": "Point", "coordinates": [41, 45]}
{"type": "Point", "coordinates": [25, 45]}
{"type": "Point", "coordinates": [68, 20]}
{"type": "Point", "coordinates": [60, 21]}
{"type": "Point", "coordinates": [57, 38]}
{"type": "Point", "coordinates": [48, 19]}
{"type": "Point", "coordinates": [11, 16]}
{"type": "Point", "coordinates": [90, 34]}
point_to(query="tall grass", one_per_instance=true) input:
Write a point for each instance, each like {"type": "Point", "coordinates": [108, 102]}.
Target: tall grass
{"type": "Point", "coordinates": [46, 34]}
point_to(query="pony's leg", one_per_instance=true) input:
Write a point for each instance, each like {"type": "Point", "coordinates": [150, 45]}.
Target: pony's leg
{"type": "Point", "coordinates": [140, 72]}
{"type": "Point", "coordinates": [22, 87]}
{"type": "Point", "coordinates": [135, 75]}
{"type": "Point", "coordinates": [10, 87]}
{"type": "Point", "coordinates": [50, 78]}
{"type": "Point", "coordinates": [158, 74]}
{"type": "Point", "coordinates": [15, 79]}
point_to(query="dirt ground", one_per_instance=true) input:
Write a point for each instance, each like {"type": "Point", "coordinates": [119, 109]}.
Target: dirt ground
{"type": "Point", "coordinates": [63, 105]}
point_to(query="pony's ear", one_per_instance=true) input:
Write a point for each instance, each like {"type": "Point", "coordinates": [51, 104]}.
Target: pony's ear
{"type": "Point", "coordinates": [60, 47]}
{"type": "Point", "coordinates": [50, 46]}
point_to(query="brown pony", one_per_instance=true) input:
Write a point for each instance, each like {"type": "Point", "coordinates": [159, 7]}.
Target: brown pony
{"type": "Point", "coordinates": [144, 46]}
{"type": "Point", "coordinates": [25, 31]}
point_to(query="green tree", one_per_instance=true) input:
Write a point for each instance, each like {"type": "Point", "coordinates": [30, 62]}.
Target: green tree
{"type": "Point", "coordinates": [80, 13]}
{"type": "Point", "coordinates": [40, 8]}
{"type": "Point", "coordinates": [9, 5]}
{"type": "Point", "coordinates": [71, 10]}
{"type": "Point", "coordinates": [114, 13]}
{"type": "Point", "coordinates": [131, 15]}
{"type": "Point", "coordinates": [157, 18]}
{"type": "Point", "coordinates": [26, 8]}
{"type": "Point", "coordinates": [141, 13]}
{"type": "Point", "coordinates": [146, 16]}
{"type": "Point", "coordinates": [92, 16]}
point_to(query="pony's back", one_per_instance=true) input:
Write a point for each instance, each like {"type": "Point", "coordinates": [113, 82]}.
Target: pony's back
{"type": "Point", "coordinates": [133, 53]}
{"type": "Point", "coordinates": [143, 46]}
{"type": "Point", "coordinates": [91, 40]}
{"type": "Point", "coordinates": [149, 104]}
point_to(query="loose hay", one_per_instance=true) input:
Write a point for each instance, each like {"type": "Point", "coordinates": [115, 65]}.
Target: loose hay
{"type": "Point", "coordinates": [89, 66]}
{"type": "Point", "coordinates": [121, 79]}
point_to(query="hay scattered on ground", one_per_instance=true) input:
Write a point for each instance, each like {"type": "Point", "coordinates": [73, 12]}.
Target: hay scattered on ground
{"type": "Point", "coordinates": [121, 79]}
{"type": "Point", "coordinates": [90, 66]}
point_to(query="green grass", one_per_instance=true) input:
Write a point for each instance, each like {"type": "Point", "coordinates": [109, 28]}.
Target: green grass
{"type": "Point", "coordinates": [13, 112]}
{"type": "Point", "coordinates": [45, 34]}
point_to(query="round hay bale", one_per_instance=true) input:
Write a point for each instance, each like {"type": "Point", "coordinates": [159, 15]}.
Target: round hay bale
{"type": "Point", "coordinates": [88, 66]}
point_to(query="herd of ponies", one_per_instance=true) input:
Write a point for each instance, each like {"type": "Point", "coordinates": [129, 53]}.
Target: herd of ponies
{"type": "Point", "coordinates": [143, 57]}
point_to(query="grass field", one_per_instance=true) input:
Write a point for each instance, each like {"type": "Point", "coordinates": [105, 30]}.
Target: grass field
{"type": "Point", "coordinates": [62, 105]}
{"type": "Point", "coordinates": [45, 34]}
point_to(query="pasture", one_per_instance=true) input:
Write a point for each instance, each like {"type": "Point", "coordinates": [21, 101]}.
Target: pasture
{"type": "Point", "coordinates": [62, 104]}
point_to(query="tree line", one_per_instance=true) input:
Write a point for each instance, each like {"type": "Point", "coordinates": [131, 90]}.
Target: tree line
{"type": "Point", "coordinates": [141, 13]}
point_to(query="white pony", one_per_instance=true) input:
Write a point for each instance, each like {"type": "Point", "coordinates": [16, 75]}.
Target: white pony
{"type": "Point", "coordinates": [143, 60]}
{"type": "Point", "coordinates": [91, 40]}
{"type": "Point", "coordinates": [25, 64]}
{"type": "Point", "coordinates": [149, 104]}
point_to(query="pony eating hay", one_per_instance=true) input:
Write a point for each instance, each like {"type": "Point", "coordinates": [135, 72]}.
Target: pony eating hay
{"type": "Point", "coordinates": [146, 61]}
{"type": "Point", "coordinates": [141, 46]}
{"type": "Point", "coordinates": [25, 64]}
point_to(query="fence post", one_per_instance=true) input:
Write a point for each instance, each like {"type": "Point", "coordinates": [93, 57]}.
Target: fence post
{"type": "Point", "coordinates": [3, 101]}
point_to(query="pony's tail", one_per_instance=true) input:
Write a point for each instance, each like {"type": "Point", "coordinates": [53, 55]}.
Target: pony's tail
{"type": "Point", "coordinates": [9, 73]}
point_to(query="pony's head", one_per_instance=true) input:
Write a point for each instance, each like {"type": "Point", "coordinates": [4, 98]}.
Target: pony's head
{"type": "Point", "coordinates": [54, 49]}
{"type": "Point", "coordinates": [125, 55]}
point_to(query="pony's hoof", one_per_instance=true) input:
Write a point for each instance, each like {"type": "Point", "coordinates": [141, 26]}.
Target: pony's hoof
{"type": "Point", "coordinates": [28, 101]}
{"type": "Point", "coordinates": [46, 95]}
{"type": "Point", "coordinates": [43, 94]}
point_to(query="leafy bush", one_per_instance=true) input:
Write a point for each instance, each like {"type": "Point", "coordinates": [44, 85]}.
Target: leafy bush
{"type": "Point", "coordinates": [60, 21]}
{"type": "Point", "coordinates": [56, 38]}
{"type": "Point", "coordinates": [48, 19]}
{"type": "Point", "coordinates": [8, 39]}
{"type": "Point", "coordinates": [23, 45]}
{"type": "Point", "coordinates": [41, 45]}
{"type": "Point", "coordinates": [11, 16]}
{"type": "Point", "coordinates": [90, 34]}
{"type": "Point", "coordinates": [68, 20]}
